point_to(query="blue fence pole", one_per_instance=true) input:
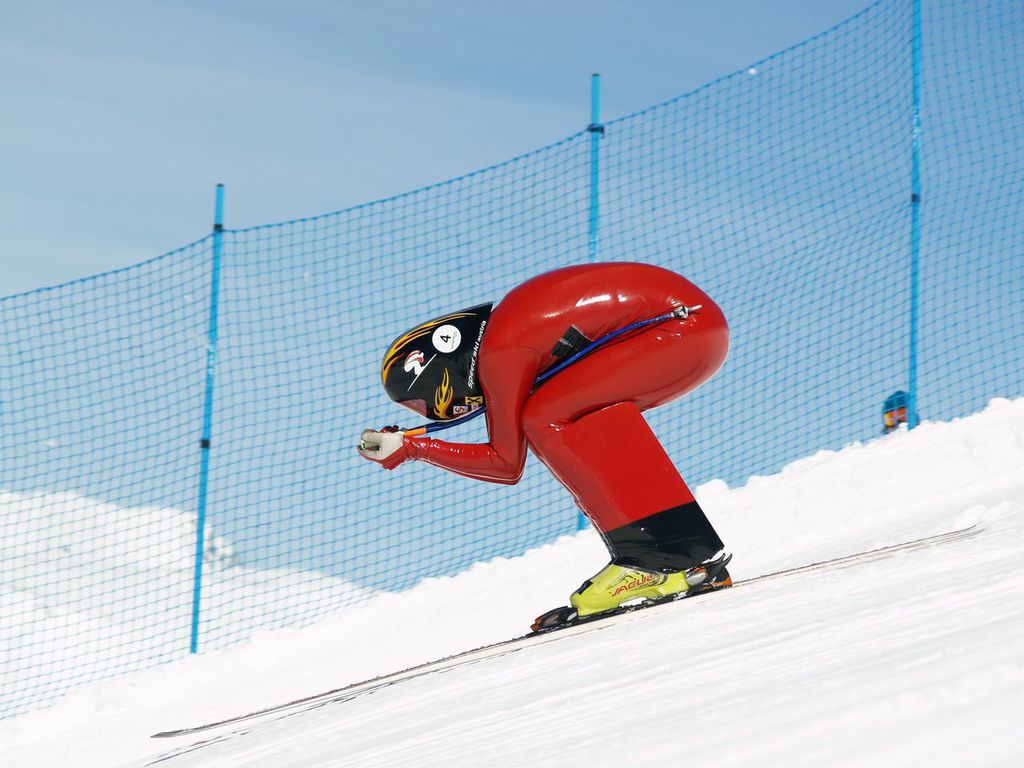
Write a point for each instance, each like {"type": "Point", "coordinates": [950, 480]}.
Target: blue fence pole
{"type": "Point", "coordinates": [204, 443]}
{"type": "Point", "coordinates": [915, 216]}
{"type": "Point", "coordinates": [596, 132]}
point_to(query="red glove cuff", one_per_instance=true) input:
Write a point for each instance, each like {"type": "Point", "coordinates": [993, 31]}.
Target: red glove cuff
{"type": "Point", "coordinates": [396, 458]}
{"type": "Point", "coordinates": [416, 448]}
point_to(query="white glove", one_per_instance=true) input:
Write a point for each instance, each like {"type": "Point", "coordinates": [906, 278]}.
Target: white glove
{"type": "Point", "coordinates": [378, 446]}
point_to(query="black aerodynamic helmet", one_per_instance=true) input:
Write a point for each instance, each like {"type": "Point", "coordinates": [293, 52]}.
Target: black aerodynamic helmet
{"type": "Point", "coordinates": [431, 369]}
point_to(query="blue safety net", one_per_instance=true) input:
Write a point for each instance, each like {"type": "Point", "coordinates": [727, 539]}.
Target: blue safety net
{"type": "Point", "coordinates": [787, 190]}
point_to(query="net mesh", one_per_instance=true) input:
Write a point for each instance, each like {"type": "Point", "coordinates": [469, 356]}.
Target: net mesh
{"type": "Point", "coordinates": [783, 190]}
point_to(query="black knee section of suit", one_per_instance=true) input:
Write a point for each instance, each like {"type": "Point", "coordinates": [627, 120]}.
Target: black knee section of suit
{"type": "Point", "coordinates": [671, 540]}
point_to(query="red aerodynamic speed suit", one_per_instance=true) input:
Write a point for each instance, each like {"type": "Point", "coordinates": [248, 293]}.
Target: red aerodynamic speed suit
{"type": "Point", "coordinates": [585, 423]}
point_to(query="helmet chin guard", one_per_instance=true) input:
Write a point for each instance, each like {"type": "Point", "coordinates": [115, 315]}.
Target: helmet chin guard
{"type": "Point", "coordinates": [432, 368]}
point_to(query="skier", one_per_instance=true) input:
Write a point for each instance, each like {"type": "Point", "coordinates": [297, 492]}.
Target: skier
{"type": "Point", "coordinates": [584, 423]}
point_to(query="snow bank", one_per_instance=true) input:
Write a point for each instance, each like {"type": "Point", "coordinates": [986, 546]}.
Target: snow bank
{"type": "Point", "coordinates": [91, 590]}
{"type": "Point", "coordinates": [937, 478]}
{"type": "Point", "coordinates": [871, 494]}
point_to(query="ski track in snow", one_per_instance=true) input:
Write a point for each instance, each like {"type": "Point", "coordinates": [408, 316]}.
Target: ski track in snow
{"type": "Point", "coordinates": [916, 659]}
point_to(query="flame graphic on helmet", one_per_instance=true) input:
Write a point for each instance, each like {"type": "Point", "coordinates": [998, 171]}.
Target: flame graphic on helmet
{"type": "Point", "coordinates": [443, 396]}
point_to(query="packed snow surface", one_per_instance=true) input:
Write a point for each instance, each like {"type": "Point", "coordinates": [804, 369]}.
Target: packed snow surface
{"type": "Point", "coordinates": [917, 659]}
{"type": "Point", "coordinates": [90, 589]}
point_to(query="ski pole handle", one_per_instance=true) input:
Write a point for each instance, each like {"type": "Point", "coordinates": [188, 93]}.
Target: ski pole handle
{"type": "Point", "coordinates": [372, 447]}
{"type": "Point", "coordinates": [417, 432]}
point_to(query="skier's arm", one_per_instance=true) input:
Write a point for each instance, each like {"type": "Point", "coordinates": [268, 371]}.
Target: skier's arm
{"type": "Point", "coordinates": [506, 377]}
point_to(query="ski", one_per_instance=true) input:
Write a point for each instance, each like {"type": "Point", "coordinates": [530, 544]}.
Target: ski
{"type": "Point", "coordinates": [349, 692]}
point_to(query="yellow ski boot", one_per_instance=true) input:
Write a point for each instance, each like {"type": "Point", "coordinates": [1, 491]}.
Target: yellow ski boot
{"type": "Point", "coordinates": [615, 585]}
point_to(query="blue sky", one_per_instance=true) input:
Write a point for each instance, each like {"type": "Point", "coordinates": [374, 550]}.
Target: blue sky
{"type": "Point", "coordinates": [119, 118]}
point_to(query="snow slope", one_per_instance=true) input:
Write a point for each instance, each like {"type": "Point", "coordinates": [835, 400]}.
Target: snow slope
{"type": "Point", "coordinates": [91, 589]}
{"type": "Point", "coordinates": [913, 660]}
